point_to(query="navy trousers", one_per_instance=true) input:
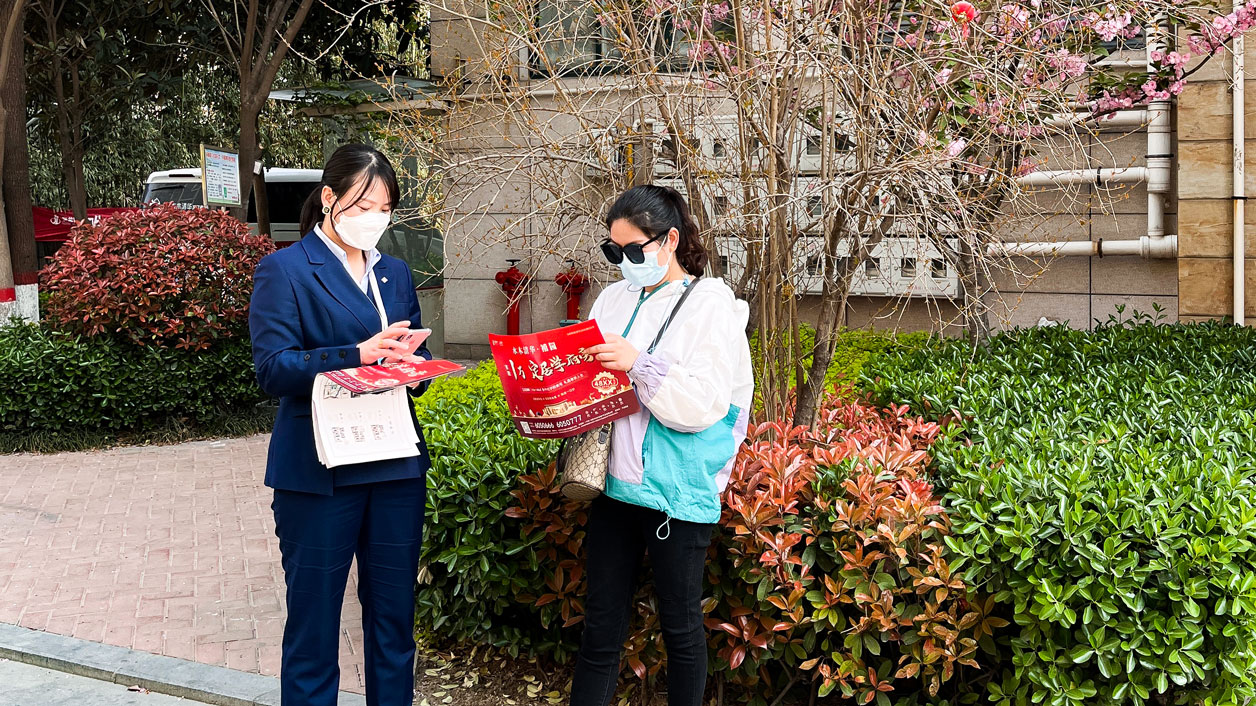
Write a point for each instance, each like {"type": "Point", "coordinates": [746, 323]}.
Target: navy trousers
{"type": "Point", "coordinates": [382, 524]}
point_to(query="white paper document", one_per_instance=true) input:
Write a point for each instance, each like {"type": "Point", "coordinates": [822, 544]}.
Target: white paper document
{"type": "Point", "coordinates": [351, 428]}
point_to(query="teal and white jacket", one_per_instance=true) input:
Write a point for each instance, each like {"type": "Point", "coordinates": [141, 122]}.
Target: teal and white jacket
{"type": "Point", "coordinates": [676, 454]}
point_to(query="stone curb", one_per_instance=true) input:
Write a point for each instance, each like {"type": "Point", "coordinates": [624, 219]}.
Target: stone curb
{"type": "Point", "coordinates": [164, 675]}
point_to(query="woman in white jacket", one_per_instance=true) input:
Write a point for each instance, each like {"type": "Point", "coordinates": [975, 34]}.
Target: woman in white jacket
{"type": "Point", "coordinates": [670, 461]}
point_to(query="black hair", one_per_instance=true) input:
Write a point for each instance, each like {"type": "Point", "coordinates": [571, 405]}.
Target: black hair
{"type": "Point", "coordinates": [347, 165]}
{"type": "Point", "coordinates": [656, 210]}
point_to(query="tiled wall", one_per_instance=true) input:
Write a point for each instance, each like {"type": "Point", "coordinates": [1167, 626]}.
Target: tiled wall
{"type": "Point", "coordinates": [1205, 232]}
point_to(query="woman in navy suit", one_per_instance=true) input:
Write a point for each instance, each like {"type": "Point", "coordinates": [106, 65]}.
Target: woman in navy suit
{"type": "Point", "coordinates": [324, 304]}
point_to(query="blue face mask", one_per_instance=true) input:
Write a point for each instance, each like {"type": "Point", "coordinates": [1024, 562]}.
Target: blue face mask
{"type": "Point", "coordinates": [647, 274]}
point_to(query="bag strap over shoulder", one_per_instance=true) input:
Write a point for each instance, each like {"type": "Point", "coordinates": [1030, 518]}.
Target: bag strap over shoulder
{"type": "Point", "coordinates": [668, 321]}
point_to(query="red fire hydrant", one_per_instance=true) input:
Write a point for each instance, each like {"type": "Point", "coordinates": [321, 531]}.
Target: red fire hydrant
{"type": "Point", "coordinates": [513, 282]}
{"type": "Point", "coordinates": [573, 285]}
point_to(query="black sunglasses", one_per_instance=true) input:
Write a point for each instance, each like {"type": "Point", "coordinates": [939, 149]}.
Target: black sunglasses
{"type": "Point", "coordinates": [635, 251]}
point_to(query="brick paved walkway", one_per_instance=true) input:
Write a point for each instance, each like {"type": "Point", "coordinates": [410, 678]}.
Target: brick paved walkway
{"type": "Point", "coordinates": [168, 549]}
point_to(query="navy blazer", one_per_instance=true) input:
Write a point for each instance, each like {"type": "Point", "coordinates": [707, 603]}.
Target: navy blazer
{"type": "Point", "coordinates": [306, 317]}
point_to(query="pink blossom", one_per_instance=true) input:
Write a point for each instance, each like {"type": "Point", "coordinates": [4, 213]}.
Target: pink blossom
{"type": "Point", "coordinates": [1223, 24]}
{"type": "Point", "coordinates": [1071, 65]}
{"type": "Point", "coordinates": [700, 51]}
{"type": "Point", "coordinates": [908, 41]}
{"type": "Point", "coordinates": [1015, 19]}
{"type": "Point", "coordinates": [1056, 25]}
{"type": "Point", "coordinates": [1109, 27]}
{"type": "Point", "coordinates": [657, 7]}
{"type": "Point", "coordinates": [956, 147]}
{"type": "Point", "coordinates": [943, 77]}
{"type": "Point", "coordinates": [1199, 45]}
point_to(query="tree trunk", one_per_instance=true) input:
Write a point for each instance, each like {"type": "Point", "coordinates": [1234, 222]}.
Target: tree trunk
{"type": "Point", "coordinates": [75, 185]}
{"type": "Point", "coordinates": [69, 133]}
{"type": "Point", "coordinates": [247, 149]}
{"type": "Point", "coordinates": [261, 202]}
{"type": "Point", "coordinates": [17, 193]}
{"type": "Point", "coordinates": [7, 293]}
{"type": "Point", "coordinates": [832, 306]}
{"type": "Point", "coordinates": [975, 313]}
{"type": "Point", "coordinates": [11, 15]}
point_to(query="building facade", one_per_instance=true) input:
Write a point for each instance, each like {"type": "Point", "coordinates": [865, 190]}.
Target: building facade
{"type": "Point", "coordinates": [1110, 249]}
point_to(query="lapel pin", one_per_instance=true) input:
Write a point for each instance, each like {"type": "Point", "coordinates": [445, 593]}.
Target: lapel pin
{"type": "Point", "coordinates": [384, 280]}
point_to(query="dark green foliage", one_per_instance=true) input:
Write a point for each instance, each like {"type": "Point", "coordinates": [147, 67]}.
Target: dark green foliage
{"type": "Point", "coordinates": [62, 384]}
{"type": "Point", "coordinates": [854, 348]}
{"type": "Point", "coordinates": [1100, 485]}
{"type": "Point", "coordinates": [475, 561]}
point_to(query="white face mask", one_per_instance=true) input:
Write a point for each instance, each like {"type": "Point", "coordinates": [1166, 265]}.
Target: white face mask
{"type": "Point", "coordinates": [363, 231]}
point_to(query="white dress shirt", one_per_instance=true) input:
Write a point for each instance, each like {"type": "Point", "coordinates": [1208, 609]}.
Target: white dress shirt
{"type": "Point", "coordinates": [372, 258]}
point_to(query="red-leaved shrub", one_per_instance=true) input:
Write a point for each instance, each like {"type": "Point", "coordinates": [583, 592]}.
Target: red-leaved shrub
{"type": "Point", "coordinates": [827, 568]}
{"type": "Point", "coordinates": [163, 276]}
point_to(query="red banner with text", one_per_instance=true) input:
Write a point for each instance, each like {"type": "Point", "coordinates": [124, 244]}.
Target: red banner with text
{"type": "Point", "coordinates": [54, 226]}
{"type": "Point", "coordinates": [554, 388]}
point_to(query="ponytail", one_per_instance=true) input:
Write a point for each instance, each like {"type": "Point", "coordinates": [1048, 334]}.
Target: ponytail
{"type": "Point", "coordinates": [657, 209]}
{"type": "Point", "coordinates": [312, 209]}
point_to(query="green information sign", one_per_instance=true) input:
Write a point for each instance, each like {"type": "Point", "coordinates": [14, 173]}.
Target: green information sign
{"type": "Point", "coordinates": [220, 177]}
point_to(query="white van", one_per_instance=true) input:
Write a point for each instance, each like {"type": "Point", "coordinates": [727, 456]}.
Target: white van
{"type": "Point", "coordinates": [286, 190]}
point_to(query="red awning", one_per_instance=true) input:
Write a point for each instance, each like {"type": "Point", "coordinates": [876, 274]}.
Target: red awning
{"type": "Point", "coordinates": [54, 226]}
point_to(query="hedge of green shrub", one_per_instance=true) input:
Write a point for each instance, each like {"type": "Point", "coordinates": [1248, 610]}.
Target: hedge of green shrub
{"type": "Point", "coordinates": [58, 383]}
{"type": "Point", "coordinates": [471, 549]}
{"type": "Point", "coordinates": [855, 347]}
{"type": "Point", "coordinates": [503, 558]}
{"type": "Point", "coordinates": [1101, 488]}
{"type": "Point", "coordinates": [471, 576]}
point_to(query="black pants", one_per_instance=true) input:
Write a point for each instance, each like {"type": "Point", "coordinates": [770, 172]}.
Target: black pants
{"type": "Point", "coordinates": [618, 535]}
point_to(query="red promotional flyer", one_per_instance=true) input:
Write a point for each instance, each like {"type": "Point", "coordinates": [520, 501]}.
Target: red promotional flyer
{"type": "Point", "coordinates": [553, 388]}
{"type": "Point", "coordinates": [381, 378]}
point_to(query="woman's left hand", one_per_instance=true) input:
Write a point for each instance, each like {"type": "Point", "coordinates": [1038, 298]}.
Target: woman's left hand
{"type": "Point", "coordinates": [416, 359]}
{"type": "Point", "coordinates": [616, 354]}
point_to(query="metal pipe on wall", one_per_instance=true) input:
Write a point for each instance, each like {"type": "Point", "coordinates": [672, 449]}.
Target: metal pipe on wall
{"type": "Point", "coordinates": [1091, 175]}
{"type": "Point", "coordinates": [1155, 244]}
{"type": "Point", "coordinates": [1119, 119]}
{"type": "Point", "coordinates": [1161, 247]}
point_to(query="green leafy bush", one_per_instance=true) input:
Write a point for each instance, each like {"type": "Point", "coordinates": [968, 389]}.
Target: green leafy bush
{"type": "Point", "coordinates": [828, 568]}
{"type": "Point", "coordinates": [1100, 485]}
{"type": "Point", "coordinates": [59, 382]}
{"type": "Point", "coordinates": [855, 347]}
{"type": "Point", "coordinates": [474, 560]}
